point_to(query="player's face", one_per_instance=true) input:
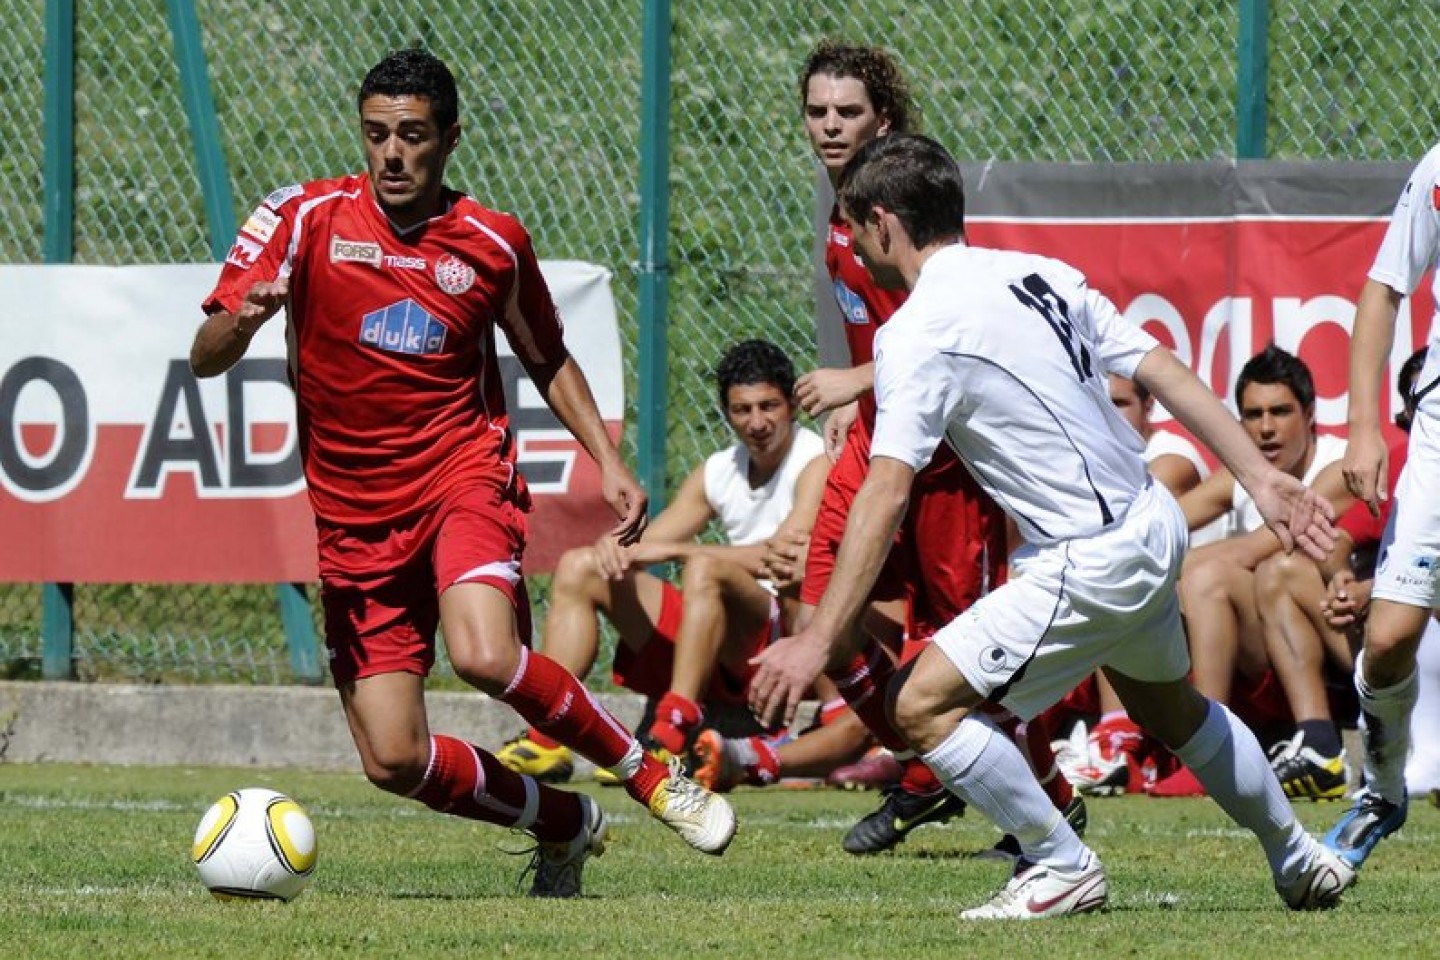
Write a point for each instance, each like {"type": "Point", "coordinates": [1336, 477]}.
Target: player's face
{"type": "Point", "coordinates": [1127, 400]}
{"type": "Point", "coordinates": [761, 417]}
{"type": "Point", "coordinates": [405, 153]}
{"type": "Point", "coordinates": [1279, 425]}
{"type": "Point", "coordinates": [839, 119]}
{"type": "Point", "coordinates": [874, 252]}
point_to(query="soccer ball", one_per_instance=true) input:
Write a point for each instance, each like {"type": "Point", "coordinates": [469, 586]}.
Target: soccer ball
{"type": "Point", "coordinates": [255, 844]}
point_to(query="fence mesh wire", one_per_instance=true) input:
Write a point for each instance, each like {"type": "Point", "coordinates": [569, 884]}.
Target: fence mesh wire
{"type": "Point", "coordinates": [551, 106]}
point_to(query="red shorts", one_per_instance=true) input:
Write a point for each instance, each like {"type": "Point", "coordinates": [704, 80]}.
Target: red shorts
{"type": "Point", "coordinates": [380, 585]}
{"type": "Point", "coordinates": [950, 549]}
{"type": "Point", "coordinates": [648, 670]}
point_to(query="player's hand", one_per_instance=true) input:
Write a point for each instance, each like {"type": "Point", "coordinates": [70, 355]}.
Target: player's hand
{"type": "Point", "coordinates": [612, 559]}
{"type": "Point", "coordinates": [1366, 468]}
{"type": "Point", "coordinates": [784, 559]}
{"type": "Point", "coordinates": [627, 498]}
{"type": "Point", "coordinates": [1296, 514]}
{"type": "Point", "coordinates": [261, 302]}
{"type": "Point", "coordinates": [827, 388]}
{"type": "Point", "coordinates": [1346, 600]}
{"type": "Point", "coordinates": [837, 428]}
{"type": "Point", "coordinates": [786, 670]}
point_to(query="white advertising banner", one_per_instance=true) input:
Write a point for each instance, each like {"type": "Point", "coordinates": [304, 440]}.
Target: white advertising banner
{"type": "Point", "coordinates": [118, 465]}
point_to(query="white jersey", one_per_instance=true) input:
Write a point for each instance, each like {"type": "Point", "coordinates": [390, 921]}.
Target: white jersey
{"type": "Point", "coordinates": [1004, 355]}
{"type": "Point", "coordinates": [1411, 247]}
{"type": "Point", "coordinates": [1245, 516]}
{"type": "Point", "coordinates": [753, 514]}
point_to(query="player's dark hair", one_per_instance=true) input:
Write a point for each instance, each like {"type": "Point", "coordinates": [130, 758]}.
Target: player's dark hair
{"type": "Point", "coordinates": [414, 73]}
{"type": "Point", "coordinates": [1273, 365]}
{"type": "Point", "coordinates": [873, 67]}
{"type": "Point", "coordinates": [1405, 382]}
{"type": "Point", "coordinates": [912, 177]}
{"type": "Point", "coordinates": [754, 361]}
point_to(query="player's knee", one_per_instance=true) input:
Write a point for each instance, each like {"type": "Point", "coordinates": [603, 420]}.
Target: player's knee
{"type": "Point", "coordinates": [701, 574]}
{"type": "Point", "coordinates": [487, 665]}
{"type": "Point", "coordinates": [395, 768]}
{"type": "Point", "coordinates": [576, 572]}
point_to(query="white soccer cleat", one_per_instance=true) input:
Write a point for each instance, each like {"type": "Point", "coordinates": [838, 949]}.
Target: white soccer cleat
{"type": "Point", "coordinates": [703, 819]}
{"type": "Point", "coordinates": [1036, 891]}
{"type": "Point", "coordinates": [559, 867]}
{"type": "Point", "coordinates": [1321, 884]}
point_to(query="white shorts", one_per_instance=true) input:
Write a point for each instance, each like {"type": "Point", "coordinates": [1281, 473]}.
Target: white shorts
{"type": "Point", "coordinates": [1409, 567]}
{"type": "Point", "coordinates": [1070, 607]}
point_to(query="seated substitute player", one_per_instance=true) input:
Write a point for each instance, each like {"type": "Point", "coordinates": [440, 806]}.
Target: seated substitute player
{"type": "Point", "coordinates": [1002, 355]}
{"type": "Point", "coordinates": [393, 285]}
{"type": "Point", "coordinates": [1275, 395]}
{"type": "Point", "coordinates": [693, 643]}
{"type": "Point", "coordinates": [1307, 653]}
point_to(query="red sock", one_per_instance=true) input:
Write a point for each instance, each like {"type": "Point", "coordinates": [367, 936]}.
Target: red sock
{"type": "Point", "coordinates": [465, 781]}
{"type": "Point", "coordinates": [559, 706]}
{"type": "Point", "coordinates": [676, 720]}
{"type": "Point", "coordinates": [863, 686]}
{"type": "Point", "coordinates": [832, 710]}
{"type": "Point", "coordinates": [1033, 739]}
{"type": "Point", "coordinates": [766, 769]}
{"type": "Point", "coordinates": [919, 779]}
{"type": "Point", "coordinates": [647, 779]}
{"type": "Point", "coordinates": [540, 740]}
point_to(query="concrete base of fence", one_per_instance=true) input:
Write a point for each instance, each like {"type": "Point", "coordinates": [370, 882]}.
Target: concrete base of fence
{"type": "Point", "coordinates": [226, 726]}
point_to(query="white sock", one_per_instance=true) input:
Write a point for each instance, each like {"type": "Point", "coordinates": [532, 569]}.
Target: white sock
{"type": "Point", "coordinates": [982, 765]}
{"type": "Point", "coordinates": [1385, 726]}
{"type": "Point", "coordinates": [1227, 759]}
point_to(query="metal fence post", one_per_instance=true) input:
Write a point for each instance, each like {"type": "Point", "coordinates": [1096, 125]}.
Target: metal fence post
{"type": "Point", "coordinates": [1252, 79]}
{"type": "Point", "coordinates": [220, 214]}
{"type": "Point", "coordinates": [654, 268]}
{"type": "Point", "coordinates": [57, 631]}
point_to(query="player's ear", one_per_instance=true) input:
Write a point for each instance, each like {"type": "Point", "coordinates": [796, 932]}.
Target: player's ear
{"type": "Point", "coordinates": [451, 138]}
{"type": "Point", "coordinates": [884, 126]}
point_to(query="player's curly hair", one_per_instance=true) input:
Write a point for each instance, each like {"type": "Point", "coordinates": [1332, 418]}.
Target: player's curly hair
{"type": "Point", "coordinates": [414, 72]}
{"type": "Point", "coordinates": [754, 361]}
{"type": "Point", "coordinates": [873, 67]}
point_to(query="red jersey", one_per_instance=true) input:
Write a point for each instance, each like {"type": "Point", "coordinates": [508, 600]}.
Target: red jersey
{"type": "Point", "coordinates": [392, 341]}
{"type": "Point", "coordinates": [1365, 530]}
{"type": "Point", "coordinates": [864, 305]}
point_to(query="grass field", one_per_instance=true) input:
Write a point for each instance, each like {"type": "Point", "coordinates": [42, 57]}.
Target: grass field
{"type": "Point", "coordinates": [93, 863]}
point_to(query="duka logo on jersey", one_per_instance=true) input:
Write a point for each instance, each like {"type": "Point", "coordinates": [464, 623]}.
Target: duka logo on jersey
{"type": "Point", "coordinates": [355, 251]}
{"type": "Point", "coordinates": [852, 308]}
{"type": "Point", "coordinates": [403, 327]}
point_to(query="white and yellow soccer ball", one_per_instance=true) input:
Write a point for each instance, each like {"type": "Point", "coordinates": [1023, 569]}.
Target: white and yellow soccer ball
{"type": "Point", "coordinates": [255, 844]}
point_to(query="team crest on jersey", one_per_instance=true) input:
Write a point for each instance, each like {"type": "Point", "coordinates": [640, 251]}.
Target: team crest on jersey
{"type": "Point", "coordinates": [454, 275]}
{"type": "Point", "coordinates": [839, 239]}
{"type": "Point", "coordinates": [403, 327]}
{"type": "Point", "coordinates": [277, 199]}
{"type": "Point", "coordinates": [852, 308]}
{"type": "Point", "coordinates": [355, 251]}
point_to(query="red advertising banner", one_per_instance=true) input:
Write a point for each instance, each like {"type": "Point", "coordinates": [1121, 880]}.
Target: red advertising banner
{"type": "Point", "coordinates": [118, 465]}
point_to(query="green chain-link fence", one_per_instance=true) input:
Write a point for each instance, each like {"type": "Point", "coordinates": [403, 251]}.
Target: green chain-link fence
{"type": "Point", "coordinates": [551, 103]}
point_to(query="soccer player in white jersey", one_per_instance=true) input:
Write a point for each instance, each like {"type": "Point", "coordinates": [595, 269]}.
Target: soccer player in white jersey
{"type": "Point", "coordinates": [1004, 356]}
{"type": "Point", "coordinates": [1407, 579]}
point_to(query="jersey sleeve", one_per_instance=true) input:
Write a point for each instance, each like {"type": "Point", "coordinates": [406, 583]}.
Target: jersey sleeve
{"type": "Point", "coordinates": [1122, 344]}
{"type": "Point", "coordinates": [916, 390]}
{"type": "Point", "coordinates": [1413, 237]}
{"type": "Point", "coordinates": [261, 251]}
{"type": "Point", "coordinates": [531, 321]}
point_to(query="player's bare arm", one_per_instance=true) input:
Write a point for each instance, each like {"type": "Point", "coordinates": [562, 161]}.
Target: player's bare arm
{"type": "Point", "coordinates": [1292, 510]}
{"type": "Point", "coordinates": [224, 337]}
{"type": "Point", "coordinates": [567, 392]}
{"type": "Point", "coordinates": [790, 665]}
{"type": "Point", "coordinates": [830, 387]}
{"type": "Point", "coordinates": [1209, 500]}
{"type": "Point", "coordinates": [785, 552]}
{"type": "Point", "coordinates": [1366, 455]}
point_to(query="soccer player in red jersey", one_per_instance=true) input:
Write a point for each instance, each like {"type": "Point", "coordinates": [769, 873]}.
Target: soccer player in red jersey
{"type": "Point", "coordinates": [393, 286]}
{"type": "Point", "coordinates": [952, 545]}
